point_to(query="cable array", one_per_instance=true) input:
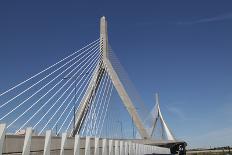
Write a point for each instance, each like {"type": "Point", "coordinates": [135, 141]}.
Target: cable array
{"type": "Point", "coordinates": [95, 118]}
{"type": "Point", "coordinates": [51, 98]}
{"type": "Point", "coordinates": [129, 86]}
{"type": "Point", "coordinates": [45, 99]}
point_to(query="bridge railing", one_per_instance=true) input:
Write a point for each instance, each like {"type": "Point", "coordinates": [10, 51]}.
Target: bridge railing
{"type": "Point", "coordinates": [64, 145]}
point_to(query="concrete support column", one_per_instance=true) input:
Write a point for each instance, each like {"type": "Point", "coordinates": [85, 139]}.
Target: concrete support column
{"type": "Point", "coordinates": [122, 150]}
{"type": "Point", "coordinates": [27, 142]}
{"type": "Point", "coordinates": [130, 148]}
{"type": "Point", "coordinates": [96, 146]}
{"type": "Point", "coordinates": [104, 147]}
{"type": "Point", "coordinates": [63, 143]}
{"type": "Point", "coordinates": [137, 149]}
{"type": "Point", "coordinates": [153, 149]}
{"type": "Point", "coordinates": [126, 148]}
{"type": "Point", "coordinates": [111, 147]}
{"type": "Point", "coordinates": [47, 144]}
{"type": "Point", "coordinates": [147, 150]}
{"type": "Point", "coordinates": [140, 149]}
{"type": "Point", "coordinates": [116, 146]}
{"type": "Point", "coordinates": [2, 136]}
{"type": "Point", "coordinates": [133, 148]}
{"type": "Point", "coordinates": [77, 145]}
{"type": "Point", "coordinates": [143, 149]}
{"type": "Point", "coordinates": [87, 145]}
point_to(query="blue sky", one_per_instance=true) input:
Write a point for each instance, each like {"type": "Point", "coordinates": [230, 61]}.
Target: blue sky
{"type": "Point", "coordinates": [182, 49]}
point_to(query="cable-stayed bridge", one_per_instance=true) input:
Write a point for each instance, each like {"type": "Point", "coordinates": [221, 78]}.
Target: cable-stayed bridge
{"type": "Point", "coordinates": [83, 104]}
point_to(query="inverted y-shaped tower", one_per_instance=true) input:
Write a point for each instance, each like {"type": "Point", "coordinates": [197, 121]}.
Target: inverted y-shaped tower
{"type": "Point", "coordinates": [158, 116]}
{"type": "Point", "coordinates": [106, 66]}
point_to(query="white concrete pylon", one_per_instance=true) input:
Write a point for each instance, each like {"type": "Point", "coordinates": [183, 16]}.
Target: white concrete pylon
{"type": "Point", "coordinates": [158, 115]}
{"type": "Point", "coordinates": [134, 148]}
{"type": "Point", "coordinates": [111, 149]}
{"type": "Point", "coordinates": [47, 144]}
{"type": "Point", "coordinates": [144, 149]}
{"type": "Point", "coordinates": [116, 146]}
{"type": "Point", "coordinates": [77, 145]}
{"type": "Point", "coordinates": [130, 148]}
{"type": "Point", "coordinates": [87, 145]}
{"type": "Point", "coordinates": [126, 148]}
{"type": "Point", "coordinates": [63, 143]}
{"type": "Point", "coordinates": [166, 129]}
{"type": "Point", "coordinates": [137, 149]}
{"type": "Point", "coordinates": [141, 149]}
{"type": "Point", "coordinates": [106, 66]}
{"type": "Point", "coordinates": [122, 150]}
{"type": "Point", "coordinates": [148, 149]}
{"type": "Point", "coordinates": [27, 142]}
{"type": "Point", "coordinates": [153, 149]}
{"type": "Point", "coordinates": [104, 147]}
{"type": "Point", "coordinates": [96, 146]}
{"type": "Point", "coordinates": [2, 136]}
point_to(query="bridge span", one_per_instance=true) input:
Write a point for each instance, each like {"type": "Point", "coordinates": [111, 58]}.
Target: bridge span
{"type": "Point", "coordinates": [28, 144]}
{"type": "Point", "coordinates": [35, 112]}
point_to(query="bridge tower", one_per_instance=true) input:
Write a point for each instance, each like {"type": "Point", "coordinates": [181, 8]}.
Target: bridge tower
{"type": "Point", "coordinates": [106, 66]}
{"type": "Point", "coordinates": [158, 116]}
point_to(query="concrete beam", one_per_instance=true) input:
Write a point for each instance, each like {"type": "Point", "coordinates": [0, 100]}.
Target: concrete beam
{"type": "Point", "coordinates": [116, 147]}
{"type": "Point", "coordinates": [122, 150]}
{"type": "Point", "coordinates": [87, 145]}
{"type": "Point", "coordinates": [111, 151]}
{"type": "Point", "coordinates": [63, 143]}
{"type": "Point", "coordinates": [27, 142]}
{"type": "Point", "coordinates": [2, 136]}
{"type": "Point", "coordinates": [77, 145]}
{"type": "Point", "coordinates": [96, 146]}
{"type": "Point", "coordinates": [104, 147]}
{"type": "Point", "coordinates": [126, 148]}
{"type": "Point", "coordinates": [47, 144]}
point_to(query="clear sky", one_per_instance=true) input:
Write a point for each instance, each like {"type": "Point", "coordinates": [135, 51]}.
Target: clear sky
{"type": "Point", "coordinates": [182, 49]}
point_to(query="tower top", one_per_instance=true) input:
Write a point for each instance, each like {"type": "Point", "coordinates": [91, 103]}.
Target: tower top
{"type": "Point", "coordinates": [103, 37]}
{"type": "Point", "coordinates": [157, 98]}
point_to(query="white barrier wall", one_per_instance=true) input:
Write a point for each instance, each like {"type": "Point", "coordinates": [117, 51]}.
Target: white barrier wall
{"type": "Point", "coordinates": [46, 145]}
